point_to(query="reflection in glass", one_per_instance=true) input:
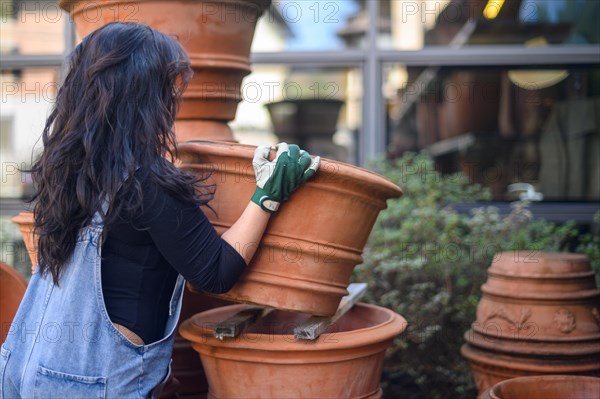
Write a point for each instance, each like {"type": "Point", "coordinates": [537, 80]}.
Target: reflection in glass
{"type": "Point", "coordinates": [418, 24]}
{"type": "Point", "coordinates": [27, 96]}
{"type": "Point", "coordinates": [502, 126]}
{"type": "Point", "coordinates": [316, 108]}
{"type": "Point", "coordinates": [12, 247]}
{"type": "Point", "coordinates": [32, 27]}
{"type": "Point", "coordinates": [311, 25]}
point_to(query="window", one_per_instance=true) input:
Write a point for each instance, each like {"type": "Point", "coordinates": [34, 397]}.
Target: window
{"type": "Point", "coordinates": [503, 90]}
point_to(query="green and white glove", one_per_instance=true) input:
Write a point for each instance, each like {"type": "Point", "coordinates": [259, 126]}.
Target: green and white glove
{"type": "Point", "coordinates": [276, 179]}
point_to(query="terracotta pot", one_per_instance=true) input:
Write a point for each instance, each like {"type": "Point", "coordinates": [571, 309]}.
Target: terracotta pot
{"type": "Point", "coordinates": [545, 387]}
{"type": "Point", "coordinates": [539, 314]}
{"type": "Point", "coordinates": [12, 289]}
{"type": "Point", "coordinates": [25, 222]}
{"type": "Point", "coordinates": [314, 241]}
{"type": "Point", "coordinates": [470, 102]}
{"type": "Point", "coordinates": [216, 34]}
{"type": "Point", "coordinates": [268, 362]}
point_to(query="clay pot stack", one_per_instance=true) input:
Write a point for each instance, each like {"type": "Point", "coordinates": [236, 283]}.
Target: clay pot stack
{"type": "Point", "coordinates": [302, 265]}
{"type": "Point", "coordinates": [538, 315]}
{"type": "Point", "coordinates": [217, 34]}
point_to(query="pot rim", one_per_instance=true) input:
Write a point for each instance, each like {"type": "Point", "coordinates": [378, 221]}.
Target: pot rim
{"type": "Point", "coordinates": [330, 170]}
{"type": "Point", "coordinates": [549, 365]}
{"type": "Point", "coordinates": [542, 379]}
{"type": "Point", "coordinates": [76, 6]}
{"type": "Point", "coordinates": [550, 346]}
{"type": "Point", "coordinates": [550, 296]}
{"type": "Point", "coordinates": [387, 330]}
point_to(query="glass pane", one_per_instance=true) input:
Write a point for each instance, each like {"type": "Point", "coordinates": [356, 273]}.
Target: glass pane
{"type": "Point", "coordinates": [309, 25]}
{"type": "Point", "coordinates": [318, 109]}
{"type": "Point", "coordinates": [535, 126]}
{"type": "Point", "coordinates": [27, 95]}
{"type": "Point", "coordinates": [12, 247]}
{"type": "Point", "coordinates": [413, 25]}
{"type": "Point", "coordinates": [32, 27]}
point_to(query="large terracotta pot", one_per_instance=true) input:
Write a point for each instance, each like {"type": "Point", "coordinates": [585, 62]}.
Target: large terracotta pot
{"type": "Point", "coordinates": [216, 34]}
{"type": "Point", "coordinates": [268, 362]}
{"type": "Point", "coordinates": [539, 314]}
{"type": "Point", "coordinates": [306, 257]}
{"type": "Point", "coordinates": [545, 387]}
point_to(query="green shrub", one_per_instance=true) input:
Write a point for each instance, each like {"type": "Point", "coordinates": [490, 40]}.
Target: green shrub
{"type": "Point", "coordinates": [427, 262]}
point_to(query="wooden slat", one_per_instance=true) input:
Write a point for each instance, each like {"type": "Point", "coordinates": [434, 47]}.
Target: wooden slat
{"type": "Point", "coordinates": [236, 324]}
{"type": "Point", "coordinates": [316, 325]}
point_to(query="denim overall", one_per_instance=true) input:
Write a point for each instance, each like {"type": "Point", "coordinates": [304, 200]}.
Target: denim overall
{"type": "Point", "coordinates": [62, 343]}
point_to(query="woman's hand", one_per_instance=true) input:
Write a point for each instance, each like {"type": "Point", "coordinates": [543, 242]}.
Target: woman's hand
{"type": "Point", "coordinates": [276, 179]}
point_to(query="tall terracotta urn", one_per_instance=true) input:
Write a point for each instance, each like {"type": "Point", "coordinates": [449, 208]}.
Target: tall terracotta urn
{"type": "Point", "coordinates": [545, 387]}
{"type": "Point", "coordinates": [313, 242]}
{"type": "Point", "coordinates": [539, 314]}
{"type": "Point", "coordinates": [216, 34]}
{"type": "Point", "coordinates": [267, 361]}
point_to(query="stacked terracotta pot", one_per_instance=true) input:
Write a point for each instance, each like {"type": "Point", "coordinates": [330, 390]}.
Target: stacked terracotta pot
{"type": "Point", "coordinates": [217, 34]}
{"type": "Point", "coordinates": [539, 314]}
{"type": "Point", "coordinates": [303, 264]}
{"type": "Point", "coordinates": [268, 362]}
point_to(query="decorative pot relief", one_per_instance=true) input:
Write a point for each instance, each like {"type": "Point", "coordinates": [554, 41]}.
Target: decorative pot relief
{"type": "Point", "coordinates": [564, 320]}
{"type": "Point", "coordinates": [517, 323]}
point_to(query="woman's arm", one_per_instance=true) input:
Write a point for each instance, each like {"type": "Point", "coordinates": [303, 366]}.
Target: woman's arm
{"type": "Point", "coordinates": [245, 234]}
{"type": "Point", "coordinates": [275, 181]}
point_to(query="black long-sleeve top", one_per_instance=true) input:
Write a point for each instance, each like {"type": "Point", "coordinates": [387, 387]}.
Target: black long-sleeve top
{"type": "Point", "coordinates": [143, 254]}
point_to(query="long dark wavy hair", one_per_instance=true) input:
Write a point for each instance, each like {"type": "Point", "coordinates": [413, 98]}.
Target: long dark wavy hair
{"type": "Point", "coordinates": [113, 116]}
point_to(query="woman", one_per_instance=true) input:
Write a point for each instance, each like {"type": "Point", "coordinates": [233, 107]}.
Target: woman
{"type": "Point", "coordinates": [120, 227]}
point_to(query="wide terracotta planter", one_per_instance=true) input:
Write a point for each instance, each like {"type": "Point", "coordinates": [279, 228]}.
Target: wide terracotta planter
{"type": "Point", "coordinates": [539, 314]}
{"type": "Point", "coordinates": [216, 34]}
{"type": "Point", "coordinates": [268, 362]}
{"type": "Point", "coordinates": [545, 387]}
{"type": "Point", "coordinates": [314, 241]}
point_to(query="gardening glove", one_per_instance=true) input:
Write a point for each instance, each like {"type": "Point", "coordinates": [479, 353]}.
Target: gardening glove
{"type": "Point", "coordinates": [276, 179]}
